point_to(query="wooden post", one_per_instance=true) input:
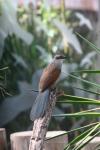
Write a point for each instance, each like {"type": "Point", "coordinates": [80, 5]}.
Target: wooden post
{"type": "Point", "coordinates": [40, 125]}
{"type": "Point", "coordinates": [21, 140]}
{"type": "Point", "coordinates": [3, 140]}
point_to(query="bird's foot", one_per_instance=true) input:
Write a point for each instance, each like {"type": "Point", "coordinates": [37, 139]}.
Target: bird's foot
{"type": "Point", "coordinates": [60, 93]}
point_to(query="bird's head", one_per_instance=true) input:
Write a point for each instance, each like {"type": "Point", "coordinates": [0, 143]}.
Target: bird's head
{"type": "Point", "coordinates": [60, 57]}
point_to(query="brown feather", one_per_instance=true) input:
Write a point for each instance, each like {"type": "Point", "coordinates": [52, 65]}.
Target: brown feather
{"type": "Point", "coordinates": [49, 77]}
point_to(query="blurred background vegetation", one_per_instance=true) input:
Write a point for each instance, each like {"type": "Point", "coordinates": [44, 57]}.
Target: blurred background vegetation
{"type": "Point", "coordinates": [30, 35]}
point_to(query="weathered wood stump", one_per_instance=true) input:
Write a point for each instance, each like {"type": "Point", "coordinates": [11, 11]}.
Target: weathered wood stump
{"type": "Point", "coordinates": [3, 140]}
{"type": "Point", "coordinates": [20, 140]}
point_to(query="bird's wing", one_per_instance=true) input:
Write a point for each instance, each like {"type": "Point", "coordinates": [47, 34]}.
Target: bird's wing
{"type": "Point", "coordinates": [49, 77]}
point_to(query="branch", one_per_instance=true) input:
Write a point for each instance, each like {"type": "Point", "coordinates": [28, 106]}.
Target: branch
{"type": "Point", "coordinates": [41, 125]}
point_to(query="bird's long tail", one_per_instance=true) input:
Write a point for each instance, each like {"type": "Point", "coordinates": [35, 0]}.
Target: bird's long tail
{"type": "Point", "coordinates": [39, 106]}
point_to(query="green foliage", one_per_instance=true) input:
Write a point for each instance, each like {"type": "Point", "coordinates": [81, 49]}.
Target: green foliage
{"type": "Point", "coordinates": [82, 139]}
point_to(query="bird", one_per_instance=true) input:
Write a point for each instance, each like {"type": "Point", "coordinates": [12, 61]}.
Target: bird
{"type": "Point", "coordinates": [48, 79]}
